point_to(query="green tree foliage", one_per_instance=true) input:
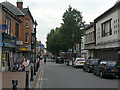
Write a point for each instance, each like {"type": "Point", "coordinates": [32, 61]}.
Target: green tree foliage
{"type": "Point", "coordinates": [72, 27]}
{"type": "Point", "coordinates": [68, 34]}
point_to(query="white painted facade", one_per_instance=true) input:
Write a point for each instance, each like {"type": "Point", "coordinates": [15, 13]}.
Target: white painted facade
{"type": "Point", "coordinates": [107, 30]}
{"type": "Point", "coordinates": [110, 41]}
{"type": "Point", "coordinates": [83, 51]}
{"type": "Point", "coordinates": [90, 41]}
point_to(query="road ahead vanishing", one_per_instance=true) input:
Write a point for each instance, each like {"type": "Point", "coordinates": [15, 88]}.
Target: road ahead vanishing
{"type": "Point", "coordinates": [52, 75]}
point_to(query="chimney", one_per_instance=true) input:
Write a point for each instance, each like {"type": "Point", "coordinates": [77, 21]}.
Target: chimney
{"type": "Point", "coordinates": [91, 22]}
{"type": "Point", "coordinates": [20, 4]}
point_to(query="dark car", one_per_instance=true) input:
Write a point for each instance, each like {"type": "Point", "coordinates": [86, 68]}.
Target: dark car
{"type": "Point", "coordinates": [89, 64]}
{"type": "Point", "coordinates": [107, 68]}
{"type": "Point", "coordinates": [59, 60]}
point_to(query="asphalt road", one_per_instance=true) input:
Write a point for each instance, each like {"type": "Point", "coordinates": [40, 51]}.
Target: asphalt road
{"type": "Point", "coordinates": [52, 75]}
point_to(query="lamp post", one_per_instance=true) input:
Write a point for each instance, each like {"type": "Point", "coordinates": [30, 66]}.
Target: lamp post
{"type": "Point", "coordinates": [35, 49]}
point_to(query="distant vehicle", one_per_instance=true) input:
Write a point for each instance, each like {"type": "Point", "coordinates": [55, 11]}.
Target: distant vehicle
{"type": "Point", "coordinates": [79, 62]}
{"type": "Point", "coordinates": [59, 60]}
{"type": "Point", "coordinates": [107, 68]}
{"type": "Point", "coordinates": [89, 64]}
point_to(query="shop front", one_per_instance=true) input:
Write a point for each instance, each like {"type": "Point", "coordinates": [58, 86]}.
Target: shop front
{"type": "Point", "coordinates": [8, 50]}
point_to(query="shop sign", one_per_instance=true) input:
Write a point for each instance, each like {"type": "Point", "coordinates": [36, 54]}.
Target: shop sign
{"type": "Point", "coordinates": [41, 47]}
{"type": "Point", "coordinates": [29, 47]}
{"type": "Point", "coordinates": [1, 44]}
{"type": "Point", "coordinates": [0, 37]}
{"type": "Point", "coordinates": [9, 45]}
{"type": "Point", "coordinates": [19, 42]}
{"type": "Point", "coordinates": [25, 49]}
{"type": "Point", "coordinates": [3, 26]}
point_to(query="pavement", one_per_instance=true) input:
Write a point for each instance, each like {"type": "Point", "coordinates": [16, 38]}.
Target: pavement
{"type": "Point", "coordinates": [7, 77]}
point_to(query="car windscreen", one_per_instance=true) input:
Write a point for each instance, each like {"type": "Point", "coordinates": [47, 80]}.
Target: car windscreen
{"type": "Point", "coordinates": [80, 59]}
{"type": "Point", "coordinates": [94, 61]}
{"type": "Point", "coordinates": [111, 64]}
{"type": "Point", "coordinates": [59, 57]}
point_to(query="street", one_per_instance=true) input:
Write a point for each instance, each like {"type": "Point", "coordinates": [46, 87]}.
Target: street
{"type": "Point", "coordinates": [54, 75]}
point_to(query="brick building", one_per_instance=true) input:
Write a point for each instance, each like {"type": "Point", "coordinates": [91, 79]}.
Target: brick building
{"type": "Point", "coordinates": [9, 47]}
{"type": "Point", "coordinates": [20, 29]}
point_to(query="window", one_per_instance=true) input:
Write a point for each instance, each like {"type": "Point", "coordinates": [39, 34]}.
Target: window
{"type": "Point", "coordinates": [27, 23]}
{"type": "Point", "coordinates": [32, 39]}
{"type": "Point", "coordinates": [107, 28]}
{"type": "Point", "coordinates": [8, 23]}
{"type": "Point", "coordinates": [17, 30]}
{"type": "Point", "coordinates": [26, 39]}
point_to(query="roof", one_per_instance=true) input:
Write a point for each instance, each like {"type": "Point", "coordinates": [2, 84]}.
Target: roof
{"type": "Point", "coordinates": [16, 11]}
{"type": "Point", "coordinates": [86, 25]}
{"type": "Point", "coordinates": [25, 11]}
{"type": "Point", "coordinates": [13, 9]}
{"type": "Point", "coordinates": [117, 4]}
{"type": "Point", "coordinates": [9, 12]}
{"type": "Point", "coordinates": [89, 26]}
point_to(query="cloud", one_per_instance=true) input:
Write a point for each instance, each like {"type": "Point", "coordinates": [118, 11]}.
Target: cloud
{"type": "Point", "coordinates": [48, 13]}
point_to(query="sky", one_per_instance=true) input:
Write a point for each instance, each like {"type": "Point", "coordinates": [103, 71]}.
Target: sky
{"type": "Point", "coordinates": [48, 13]}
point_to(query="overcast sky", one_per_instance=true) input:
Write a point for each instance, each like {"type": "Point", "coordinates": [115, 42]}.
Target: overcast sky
{"type": "Point", "coordinates": [48, 13]}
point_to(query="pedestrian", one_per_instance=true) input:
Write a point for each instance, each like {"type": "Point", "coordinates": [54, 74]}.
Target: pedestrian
{"type": "Point", "coordinates": [21, 66]}
{"type": "Point", "coordinates": [89, 57]}
{"type": "Point", "coordinates": [45, 59]}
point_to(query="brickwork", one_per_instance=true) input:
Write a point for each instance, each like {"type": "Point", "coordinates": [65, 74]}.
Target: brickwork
{"type": "Point", "coordinates": [25, 30]}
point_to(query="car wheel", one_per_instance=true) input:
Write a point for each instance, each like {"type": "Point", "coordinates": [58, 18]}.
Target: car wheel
{"type": "Point", "coordinates": [83, 69]}
{"type": "Point", "coordinates": [101, 74]}
{"type": "Point", "coordinates": [88, 70]}
{"type": "Point", "coordinates": [94, 72]}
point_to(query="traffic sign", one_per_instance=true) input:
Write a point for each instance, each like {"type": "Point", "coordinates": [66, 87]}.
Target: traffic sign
{"type": "Point", "coordinates": [3, 26]}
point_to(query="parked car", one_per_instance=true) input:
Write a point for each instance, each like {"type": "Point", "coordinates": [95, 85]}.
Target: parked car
{"type": "Point", "coordinates": [79, 62]}
{"type": "Point", "coordinates": [59, 60]}
{"type": "Point", "coordinates": [107, 68]}
{"type": "Point", "coordinates": [89, 64]}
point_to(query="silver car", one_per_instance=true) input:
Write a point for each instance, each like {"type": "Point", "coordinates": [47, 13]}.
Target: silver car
{"type": "Point", "coordinates": [79, 62]}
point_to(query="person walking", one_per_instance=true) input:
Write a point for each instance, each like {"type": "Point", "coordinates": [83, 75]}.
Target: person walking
{"type": "Point", "coordinates": [45, 59]}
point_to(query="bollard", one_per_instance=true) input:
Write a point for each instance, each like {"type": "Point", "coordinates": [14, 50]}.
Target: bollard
{"type": "Point", "coordinates": [14, 83]}
{"type": "Point", "coordinates": [31, 79]}
{"type": "Point", "coordinates": [27, 81]}
{"type": "Point", "coordinates": [34, 69]}
{"type": "Point", "coordinates": [37, 66]}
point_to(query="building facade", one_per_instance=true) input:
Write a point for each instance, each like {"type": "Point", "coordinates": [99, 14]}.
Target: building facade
{"type": "Point", "coordinates": [10, 24]}
{"type": "Point", "coordinates": [90, 40]}
{"type": "Point", "coordinates": [107, 28]}
{"type": "Point", "coordinates": [17, 37]}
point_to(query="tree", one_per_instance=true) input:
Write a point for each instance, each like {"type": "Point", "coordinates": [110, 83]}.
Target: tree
{"type": "Point", "coordinates": [72, 27]}
{"type": "Point", "coordinates": [68, 34]}
{"type": "Point", "coordinates": [54, 41]}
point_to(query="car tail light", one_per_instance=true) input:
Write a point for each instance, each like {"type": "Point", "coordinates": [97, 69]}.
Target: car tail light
{"type": "Point", "coordinates": [105, 68]}
{"type": "Point", "coordinates": [90, 64]}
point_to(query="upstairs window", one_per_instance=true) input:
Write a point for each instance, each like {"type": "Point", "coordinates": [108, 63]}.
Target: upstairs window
{"type": "Point", "coordinates": [107, 28]}
{"type": "Point", "coordinates": [26, 39]}
{"type": "Point", "coordinates": [32, 39]}
{"type": "Point", "coordinates": [17, 30]}
{"type": "Point", "coordinates": [27, 23]}
{"type": "Point", "coordinates": [8, 23]}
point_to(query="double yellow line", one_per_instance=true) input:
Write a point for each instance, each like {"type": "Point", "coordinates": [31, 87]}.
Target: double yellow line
{"type": "Point", "coordinates": [40, 79]}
